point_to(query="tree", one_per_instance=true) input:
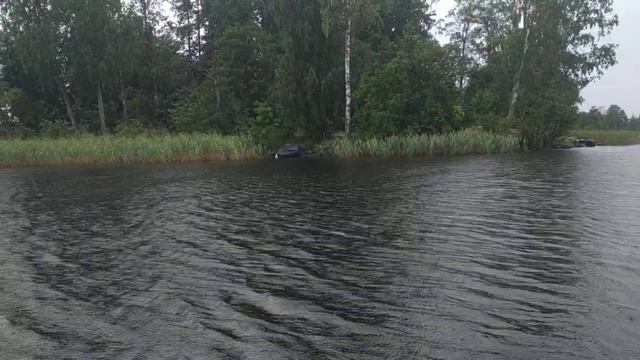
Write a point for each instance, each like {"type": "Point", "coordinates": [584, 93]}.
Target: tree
{"type": "Point", "coordinates": [34, 43]}
{"type": "Point", "coordinates": [464, 37]}
{"type": "Point", "coordinates": [126, 43]}
{"type": "Point", "coordinates": [307, 90]}
{"type": "Point", "coordinates": [285, 68]}
{"type": "Point", "coordinates": [523, 9]}
{"type": "Point", "coordinates": [347, 12]}
{"type": "Point", "coordinates": [187, 16]}
{"type": "Point", "coordinates": [634, 123]}
{"type": "Point", "coordinates": [239, 79]}
{"type": "Point", "coordinates": [413, 91]}
{"type": "Point", "coordinates": [615, 118]}
{"type": "Point", "coordinates": [400, 18]}
{"type": "Point", "coordinates": [541, 44]}
{"type": "Point", "coordinates": [592, 120]}
{"type": "Point", "coordinates": [91, 29]}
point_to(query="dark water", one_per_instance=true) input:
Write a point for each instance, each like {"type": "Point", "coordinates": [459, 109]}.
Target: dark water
{"type": "Point", "coordinates": [532, 256]}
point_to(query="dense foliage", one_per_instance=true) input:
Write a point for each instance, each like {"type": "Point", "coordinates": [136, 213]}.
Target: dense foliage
{"type": "Point", "coordinates": [277, 69]}
{"type": "Point", "coordinates": [613, 118]}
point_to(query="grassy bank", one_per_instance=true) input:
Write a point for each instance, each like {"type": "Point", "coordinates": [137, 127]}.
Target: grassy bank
{"type": "Point", "coordinates": [93, 150]}
{"type": "Point", "coordinates": [86, 150]}
{"type": "Point", "coordinates": [609, 137]}
{"type": "Point", "coordinates": [460, 143]}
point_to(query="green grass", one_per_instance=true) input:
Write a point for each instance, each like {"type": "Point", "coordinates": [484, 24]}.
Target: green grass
{"type": "Point", "coordinates": [609, 137]}
{"type": "Point", "coordinates": [459, 143]}
{"type": "Point", "coordinates": [94, 150]}
{"type": "Point", "coordinates": [89, 150]}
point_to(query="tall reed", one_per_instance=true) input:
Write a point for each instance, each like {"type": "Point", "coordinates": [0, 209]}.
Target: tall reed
{"type": "Point", "coordinates": [86, 150]}
{"type": "Point", "coordinates": [609, 137]}
{"type": "Point", "coordinates": [458, 143]}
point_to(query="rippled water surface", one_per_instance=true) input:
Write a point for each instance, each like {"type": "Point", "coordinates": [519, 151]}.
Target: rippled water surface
{"type": "Point", "coordinates": [533, 256]}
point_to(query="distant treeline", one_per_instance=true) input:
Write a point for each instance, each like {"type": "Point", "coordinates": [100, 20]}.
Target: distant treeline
{"type": "Point", "coordinates": [276, 69]}
{"type": "Point", "coordinates": [614, 118]}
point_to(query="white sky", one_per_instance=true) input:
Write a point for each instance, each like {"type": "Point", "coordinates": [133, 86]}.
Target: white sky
{"type": "Point", "coordinates": [621, 84]}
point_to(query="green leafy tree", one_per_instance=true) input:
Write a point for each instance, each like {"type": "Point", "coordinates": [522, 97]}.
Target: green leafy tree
{"type": "Point", "coordinates": [616, 118]}
{"type": "Point", "coordinates": [308, 86]}
{"type": "Point", "coordinates": [285, 68]}
{"type": "Point", "coordinates": [241, 72]}
{"type": "Point", "coordinates": [413, 91]}
{"type": "Point", "coordinates": [541, 48]}
{"type": "Point", "coordinates": [592, 120]}
{"type": "Point", "coordinates": [126, 43]}
{"type": "Point", "coordinates": [348, 12]}
{"type": "Point", "coordinates": [33, 50]}
{"type": "Point", "coordinates": [91, 30]}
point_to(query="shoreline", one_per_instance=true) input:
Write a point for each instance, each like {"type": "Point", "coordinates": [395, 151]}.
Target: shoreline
{"type": "Point", "coordinates": [92, 150]}
{"type": "Point", "coordinates": [609, 137]}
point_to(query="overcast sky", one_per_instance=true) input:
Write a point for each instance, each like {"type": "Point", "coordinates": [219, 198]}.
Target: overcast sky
{"type": "Point", "coordinates": [620, 84]}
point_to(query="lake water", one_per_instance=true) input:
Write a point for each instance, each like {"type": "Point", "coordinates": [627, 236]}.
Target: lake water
{"type": "Point", "coordinates": [530, 256]}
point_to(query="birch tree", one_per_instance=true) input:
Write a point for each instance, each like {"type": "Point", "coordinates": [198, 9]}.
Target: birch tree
{"type": "Point", "coordinates": [347, 13]}
{"type": "Point", "coordinates": [523, 8]}
{"type": "Point", "coordinates": [92, 26]}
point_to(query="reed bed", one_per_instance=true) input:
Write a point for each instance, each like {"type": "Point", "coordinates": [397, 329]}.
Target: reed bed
{"type": "Point", "coordinates": [464, 142]}
{"type": "Point", "coordinates": [90, 150]}
{"type": "Point", "coordinates": [609, 137]}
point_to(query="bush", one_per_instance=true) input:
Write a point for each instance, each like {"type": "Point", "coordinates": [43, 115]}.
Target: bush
{"type": "Point", "coordinates": [130, 128]}
{"type": "Point", "coordinates": [199, 113]}
{"type": "Point", "coordinates": [266, 128]}
{"type": "Point", "coordinates": [56, 129]}
{"type": "Point", "coordinates": [411, 92]}
{"type": "Point", "coordinates": [22, 132]}
{"type": "Point", "coordinates": [10, 129]}
{"type": "Point", "coordinates": [190, 116]}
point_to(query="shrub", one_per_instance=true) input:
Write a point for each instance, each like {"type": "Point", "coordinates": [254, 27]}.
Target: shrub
{"type": "Point", "coordinates": [411, 92]}
{"type": "Point", "coordinates": [200, 113]}
{"type": "Point", "coordinates": [56, 129]}
{"type": "Point", "coordinates": [266, 128]}
{"type": "Point", "coordinates": [130, 128]}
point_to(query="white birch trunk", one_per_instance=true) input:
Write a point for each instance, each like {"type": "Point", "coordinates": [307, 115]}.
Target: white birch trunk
{"type": "Point", "coordinates": [67, 104]}
{"type": "Point", "coordinates": [515, 92]}
{"type": "Point", "coordinates": [347, 73]}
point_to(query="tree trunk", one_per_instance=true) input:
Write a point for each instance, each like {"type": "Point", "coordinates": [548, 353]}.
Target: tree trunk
{"type": "Point", "coordinates": [199, 25]}
{"type": "Point", "coordinates": [156, 97]}
{"type": "Point", "coordinates": [463, 57]}
{"type": "Point", "coordinates": [144, 8]}
{"type": "Point", "coordinates": [189, 36]}
{"type": "Point", "coordinates": [347, 72]}
{"type": "Point", "coordinates": [218, 98]}
{"type": "Point", "coordinates": [515, 92]}
{"type": "Point", "coordinates": [123, 99]}
{"type": "Point", "coordinates": [67, 104]}
{"type": "Point", "coordinates": [103, 122]}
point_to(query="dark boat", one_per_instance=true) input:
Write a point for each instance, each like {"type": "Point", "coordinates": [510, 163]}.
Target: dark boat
{"type": "Point", "coordinates": [585, 143]}
{"type": "Point", "coordinates": [289, 151]}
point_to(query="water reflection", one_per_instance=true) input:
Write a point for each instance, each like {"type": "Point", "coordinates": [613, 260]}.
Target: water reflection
{"type": "Point", "coordinates": [526, 256]}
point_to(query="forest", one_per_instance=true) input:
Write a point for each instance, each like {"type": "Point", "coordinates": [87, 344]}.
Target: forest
{"type": "Point", "coordinates": [612, 118]}
{"type": "Point", "coordinates": [277, 70]}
